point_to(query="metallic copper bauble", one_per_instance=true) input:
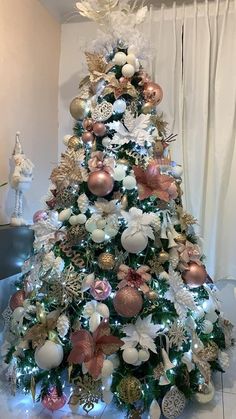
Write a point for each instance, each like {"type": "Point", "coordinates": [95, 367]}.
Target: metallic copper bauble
{"type": "Point", "coordinates": [99, 129]}
{"type": "Point", "coordinates": [153, 93]}
{"type": "Point", "coordinates": [74, 142]}
{"type": "Point", "coordinates": [79, 108]}
{"type": "Point", "coordinates": [181, 238]}
{"type": "Point", "coordinates": [128, 302]}
{"type": "Point", "coordinates": [151, 295]}
{"type": "Point", "coordinates": [195, 276]}
{"type": "Point", "coordinates": [17, 299]}
{"type": "Point", "coordinates": [130, 389]}
{"type": "Point", "coordinates": [100, 183]}
{"type": "Point", "coordinates": [87, 137]}
{"type": "Point", "coordinates": [88, 124]}
{"type": "Point", "coordinates": [163, 256]}
{"type": "Point", "coordinates": [106, 261]}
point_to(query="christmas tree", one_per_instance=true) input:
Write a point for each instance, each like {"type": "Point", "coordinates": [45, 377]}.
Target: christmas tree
{"type": "Point", "coordinates": [116, 299]}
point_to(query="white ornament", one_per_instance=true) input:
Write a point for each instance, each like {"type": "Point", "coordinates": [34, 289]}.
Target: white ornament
{"type": "Point", "coordinates": [110, 232]}
{"type": "Point", "coordinates": [130, 355]}
{"type": "Point", "coordinates": [177, 172]}
{"type": "Point", "coordinates": [81, 218]}
{"type": "Point", "coordinates": [131, 59]}
{"type": "Point", "coordinates": [223, 359]}
{"type": "Point", "coordinates": [119, 106]}
{"type": "Point", "coordinates": [198, 313]}
{"type": "Point", "coordinates": [66, 139]}
{"type": "Point", "coordinates": [128, 70]}
{"type": "Point", "coordinates": [206, 395]}
{"type": "Point", "coordinates": [173, 403]}
{"type": "Point", "coordinates": [143, 355]}
{"type": "Point", "coordinates": [129, 182]}
{"type": "Point", "coordinates": [119, 172]}
{"type": "Point", "coordinates": [65, 214]}
{"type": "Point", "coordinates": [90, 225]}
{"type": "Point", "coordinates": [49, 356]}
{"type": "Point", "coordinates": [18, 313]}
{"type": "Point", "coordinates": [83, 203]}
{"type": "Point", "coordinates": [73, 220]}
{"type": "Point", "coordinates": [63, 325]}
{"type": "Point", "coordinates": [212, 316]}
{"type": "Point", "coordinates": [207, 327]}
{"type": "Point", "coordinates": [106, 141]}
{"type": "Point", "coordinates": [119, 58]}
{"type": "Point", "coordinates": [154, 411]}
{"type": "Point", "coordinates": [133, 243]}
{"type": "Point", "coordinates": [107, 368]}
{"type": "Point", "coordinates": [98, 236]}
{"type": "Point", "coordinates": [143, 332]}
{"type": "Point", "coordinates": [102, 111]}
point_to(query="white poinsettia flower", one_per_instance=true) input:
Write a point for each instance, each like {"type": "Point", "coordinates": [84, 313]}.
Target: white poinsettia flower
{"type": "Point", "coordinates": [45, 231]}
{"type": "Point", "coordinates": [143, 332]}
{"type": "Point", "coordinates": [139, 222]}
{"type": "Point", "coordinates": [105, 207]}
{"type": "Point", "coordinates": [134, 129]}
{"type": "Point", "coordinates": [50, 261]}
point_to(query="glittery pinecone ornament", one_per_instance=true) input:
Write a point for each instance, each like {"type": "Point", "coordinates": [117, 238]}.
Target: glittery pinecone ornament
{"type": "Point", "coordinates": [83, 203]}
{"type": "Point", "coordinates": [63, 325]}
{"type": "Point", "coordinates": [76, 234]}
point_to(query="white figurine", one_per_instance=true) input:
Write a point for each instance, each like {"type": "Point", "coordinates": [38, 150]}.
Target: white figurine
{"type": "Point", "coordinates": [20, 180]}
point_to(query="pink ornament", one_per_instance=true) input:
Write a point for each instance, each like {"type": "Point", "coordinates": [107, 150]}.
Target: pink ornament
{"type": "Point", "coordinates": [99, 129]}
{"type": "Point", "coordinates": [52, 401]}
{"type": "Point", "coordinates": [87, 137]}
{"type": "Point", "coordinates": [153, 93]}
{"type": "Point", "coordinates": [100, 290]}
{"type": "Point", "coordinates": [100, 183]}
{"type": "Point", "coordinates": [40, 215]}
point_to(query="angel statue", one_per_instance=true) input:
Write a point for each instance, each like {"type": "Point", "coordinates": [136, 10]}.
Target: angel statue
{"type": "Point", "coordinates": [20, 180]}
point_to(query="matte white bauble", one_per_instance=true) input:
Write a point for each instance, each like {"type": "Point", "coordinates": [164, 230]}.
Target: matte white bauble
{"type": "Point", "coordinates": [106, 141]}
{"type": "Point", "coordinates": [66, 139]}
{"type": "Point", "coordinates": [107, 396]}
{"type": "Point", "coordinates": [98, 236]}
{"type": "Point", "coordinates": [206, 396]}
{"type": "Point", "coordinates": [207, 327]}
{"type": "Point", "coordinates": [131, 59]}
{"type": "Point", "coordinates": [177, 171]}
{"type": "Point", "coordinates": [212, 316]}
{"type": "Point", "coordinates": [65, 214]}
{"type": "Point", "coordinates": [49, 356]}
{"type": "Point", "coordinates": [18, 313]}
{"type": "Point", "coordinates": [101, 223]}
{"type": "Point", "coordinates": [119, 173]}
{"type": "Point", "coordinates": [128, 70]}
{"type": "Point", "coordinates": [134, 243]}
{"type": "Point", "coordinates": [130, 355]}
{"type": "Point", "coordinates": [198, 313]}
{"type": "Point", "coordinates": [73, 220]}
{"type": "Point", "coordinates": [119, 58]}
{"type": "Point", "coordinates": [90, 225]}
{"type": "Point", "coordinates": [129, 182]}
{"type": "Point", "coordinates": [143, 355]}
{"type": "Point", "coordinates": [133, 50]}
{"type": "Point", "coordinates": [119, 106]}
{"type": "Point", "coordinates": [81, 218]}
{"type": "Point", "coordinates": [110, 232]}
{"type": "Point", "coordinates": [107, 368]}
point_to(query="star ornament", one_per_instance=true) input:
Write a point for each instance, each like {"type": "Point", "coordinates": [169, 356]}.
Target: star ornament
{"type": "Point", "coordinates": [152, 182]}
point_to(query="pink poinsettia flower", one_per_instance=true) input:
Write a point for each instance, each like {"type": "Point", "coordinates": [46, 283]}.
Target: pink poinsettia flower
{"type": "Point", "coordinates": [188, 252]}
{"type": "Point", "coordinates": [135, 278]}
{"type": "Point", "coordinates": [152, 182]}
{"type": "Point", "coordinates": [98, 161]}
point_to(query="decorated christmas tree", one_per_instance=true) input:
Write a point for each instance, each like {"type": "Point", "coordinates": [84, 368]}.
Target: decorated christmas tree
{"type": "Point", "coordinates": [116, 300]}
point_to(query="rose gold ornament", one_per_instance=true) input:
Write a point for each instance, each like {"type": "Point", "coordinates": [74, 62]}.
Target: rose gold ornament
{"type": "Point", "coordinates": [99, 129]}
{"type": "Point", "coordinates": [100, 183]}
{"type": "Point", "coordinates": [153, 93]}
{"type": "Point", "coordinates": [128, 302]}
{"type": "Point", "coordinates": [87, 137]}
{"type": "Point", "coordinates": [195, 275]}
{"type": "Point", "coordinates": [88, 124]}
{"type": "Point", "coordinates": [17, 299]}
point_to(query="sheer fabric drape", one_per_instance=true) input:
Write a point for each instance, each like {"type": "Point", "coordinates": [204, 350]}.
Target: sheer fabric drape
{"type": "Point", "coordinates": [194, 46]}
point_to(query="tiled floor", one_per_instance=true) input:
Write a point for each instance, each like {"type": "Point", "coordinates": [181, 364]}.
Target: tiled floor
{"type": "Point", "coordinates": [222, 407]}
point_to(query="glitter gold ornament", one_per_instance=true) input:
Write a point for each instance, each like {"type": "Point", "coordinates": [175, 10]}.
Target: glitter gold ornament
{"type": "Point", "coordinates": [181, 238]}
{"type": "Point", "coordinates": [76, 234]}
{"type": "Point", "coordinates": [65, 198]}
{"type": "Point", "coordinates": [152, 295]}
{"type": "Point", "coordinates": [209, 352]}
{"type": "Point", "coordinates": [130, 390]}
{"type": "Point", "coordinates": [79, 108]}
{"type": "Point", "coordinates": [106, 261]}
{"type": "Point", "coordinates": [74, 142]}
{"type": "Point", "coordinates": [163, 256]}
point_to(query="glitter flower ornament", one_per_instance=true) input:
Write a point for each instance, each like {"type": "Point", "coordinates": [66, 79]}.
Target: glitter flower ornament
{"type": "Point", "coordinates": [152, 182]}
{"type": "Point", "coordinates": [142, 332]}
{"type": "Point", "coordinates": [134, 278]}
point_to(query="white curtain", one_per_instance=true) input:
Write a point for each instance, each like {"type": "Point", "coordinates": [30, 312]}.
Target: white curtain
{"type": "Point", "coordinates": [194, 45]}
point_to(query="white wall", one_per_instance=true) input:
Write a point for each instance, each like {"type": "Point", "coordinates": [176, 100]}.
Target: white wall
{"type": "Point", "coordinates": [29, 62]}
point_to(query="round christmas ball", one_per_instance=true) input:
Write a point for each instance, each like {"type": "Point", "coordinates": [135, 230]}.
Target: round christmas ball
{"type": "Point", "coordinates": [40, 215]}
{"type": "Point", "coordinates": [195, 276]}
{"type": "Point", "coordinates": [129, 389]}
{"type": "Point", "coordinates": [128, 70]}
{"type": "Point", "coordinates": [163, 256]}
{"type": "Point", "coordinates": [129, 182]}
{"type": "Point", "coordinates": [81, 218]}
{"type": "Point", "coordinates": [143, 355]}
{"type": "Point", "coordinates": [73, 220]}
{"type": "Point", "coordinates": [79, 108]}
{"type": "Point", "coordinates": [73, 142]}
{"type": "Point", "coordinates": [128, 302]}
{"type": "Point", "coordinates": [130, 355]}
{"type": "Point", "coordinates": [205, 394]}
{"type": "Point", "coordinates": [65, 214]}
{"type": "Point", "coordinates": [90, 225]}
{"type": "Point", "coordinates": [119, 173]}
{"type": "Point", "coordinates": [135, 243]}
{"type": "Point", "coordinates": [98, 236]}
{"type": "Point", "coordinates": [99, 129]}
{"type": "Point", "coordinates": [153, 93]}
{"type": "Point", "coordinates": [131, 59]}
{"type": "Point", "coordinates": [100, 183]}
{"type": "Point", "coordinates": [17, 299]}
{"type": "Point", "coordinates": [119, 106]}
{"type": "Point", "coordinates": [52, 401]}
{"type": "Point", "coordinates": [147, 108]}
{"type": "Point", "coordinates": [207, 327]}
{"type": "Point", "coordinates": [119, 58]}
{"type": "Point", "coordinates": [87, 137]}
{"type": "Point", "coordinates": [151, 295]}
{"type": "Point", "coordinates": [49, 356]}
{"type": "Point", "coordinates": [88, 124]}
{"type": "Point", "coordinates": [106, 261]}
{"type": "Point", "coordinates": [106, 141]}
